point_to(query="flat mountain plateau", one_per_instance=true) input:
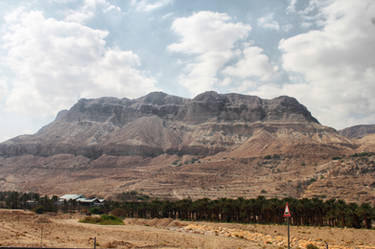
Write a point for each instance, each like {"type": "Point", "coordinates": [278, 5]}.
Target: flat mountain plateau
{"type": "Point", "coordinates": [214, 145]}
{"type": "Point", "coordinates": [23, 228]}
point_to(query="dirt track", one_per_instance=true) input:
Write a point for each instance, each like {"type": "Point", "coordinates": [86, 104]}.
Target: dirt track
{"type": "Point", "coordinates": [23, 228]}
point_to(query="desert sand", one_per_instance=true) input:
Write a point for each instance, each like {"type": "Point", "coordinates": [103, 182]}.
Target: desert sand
{"type": "Point", "coordinates": [25, 228]}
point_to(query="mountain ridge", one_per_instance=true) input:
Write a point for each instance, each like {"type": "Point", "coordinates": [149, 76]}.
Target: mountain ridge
{"type": "Point", "coordinates": [87, 127]}
{"type": "Point", "coordinates": [213, 145]}
{"type": "Point", "coordinates": [358, 131]}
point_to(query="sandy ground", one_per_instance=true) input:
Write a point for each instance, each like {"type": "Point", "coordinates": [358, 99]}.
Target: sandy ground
{"type": "Point", "coordinates": [24, 228]}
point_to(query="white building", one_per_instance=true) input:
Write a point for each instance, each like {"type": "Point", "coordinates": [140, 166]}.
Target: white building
{"type": "Point", "coordinates": [81, 200]}
{"type": "Point", "coordinates": [69, 197]}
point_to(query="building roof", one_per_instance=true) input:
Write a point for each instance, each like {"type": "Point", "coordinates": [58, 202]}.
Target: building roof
{"type": "Point", "coordinates": [85, 200]}
{"type": "Point", "coordinates": [70, 197]}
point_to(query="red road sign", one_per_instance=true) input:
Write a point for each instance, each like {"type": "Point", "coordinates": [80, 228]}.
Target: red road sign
{"type": "Point", "coordinates": [287, 212]}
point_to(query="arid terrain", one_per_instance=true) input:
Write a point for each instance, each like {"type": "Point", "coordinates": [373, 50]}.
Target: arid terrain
{"type": "Point", "coordinates": [24, 228]}
{"type": "Point", "coordinates": [211, 146]}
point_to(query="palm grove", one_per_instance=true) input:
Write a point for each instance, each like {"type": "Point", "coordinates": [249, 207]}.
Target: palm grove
{"type": "Point", "coordinates": [314, 212]}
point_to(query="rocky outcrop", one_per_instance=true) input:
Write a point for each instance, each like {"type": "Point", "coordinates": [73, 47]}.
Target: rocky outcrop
{"type": "Point", "coordinates": [208, 106]}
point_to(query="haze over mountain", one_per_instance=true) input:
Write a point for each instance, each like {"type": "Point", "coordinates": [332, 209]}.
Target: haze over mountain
{"type": "Point", "coordinates": [214, 145]}
{"type": "Point", "coordinates": [358, 131]}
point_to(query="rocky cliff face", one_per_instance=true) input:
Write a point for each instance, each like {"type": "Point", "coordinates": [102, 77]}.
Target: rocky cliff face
{"type": "Point", "coordinates": [208, 106]}
{"type": "Point", "coordinates": [158, 123]}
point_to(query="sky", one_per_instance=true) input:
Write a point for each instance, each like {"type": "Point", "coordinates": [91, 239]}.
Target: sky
{"type": "Point", "coordinates": [54, 52]}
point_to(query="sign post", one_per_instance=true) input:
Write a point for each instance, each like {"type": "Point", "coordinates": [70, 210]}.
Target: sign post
{"type": "Point", "coordinates": [287, 215]}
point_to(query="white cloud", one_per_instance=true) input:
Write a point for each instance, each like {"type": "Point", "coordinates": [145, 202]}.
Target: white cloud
{"type": "Point", "coordinates": [268, 22]}
{"type": "Point", "coordinates": [254, 63]}
{"type": "Point", "coordinates": [210, 39]}
{"type": "Point", "coordinates": [312, 15]}
{"type": "Point", "coordinates": [207, 31]}
{"type": "Point", "coordinates": [336, 64]}
{"type": "Point", "coordinates": [147, 5]}
{"type": "Point", "coordinates": [88, 10]}
{"type": "Point", "coordinates": [79, 16]}
{"type": "Point", "coordinates": [57, 62]}
{"type": "Point", "coordinates": [244, 86]}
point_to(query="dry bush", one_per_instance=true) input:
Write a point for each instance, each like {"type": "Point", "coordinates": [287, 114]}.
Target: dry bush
{"type": "Point", "coordinates": [43, 220]}
{"type": "Point", "coordinates": [176, 223]}
{"type": "Point", "coordinates": [164, 222]}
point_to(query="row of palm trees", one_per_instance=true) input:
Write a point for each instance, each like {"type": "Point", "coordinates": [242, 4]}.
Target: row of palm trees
{"type": "Point", "coordinates": [17, 200]}
{"type": "Point", "coordinates": [315, 212]}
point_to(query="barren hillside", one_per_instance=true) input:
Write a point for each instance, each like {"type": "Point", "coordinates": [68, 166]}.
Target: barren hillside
{"type": "Point", "coordinates": [214, 145]}
{"type": "Point", "coordinates": [22, 228]}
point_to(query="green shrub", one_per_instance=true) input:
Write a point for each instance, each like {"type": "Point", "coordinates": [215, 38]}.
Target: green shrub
{"type": "Point", "coordinates": [363, 154]}
{"type": "Point", "coordinates": [110, 220]}
{"type": "Point", "coordinates": [276, 156]}
{"type": "Point", "coordinates": [91, 220]}
{"type": "Point", "coordinates": [96, 210]}
{"type": "Point", "coordinates": [311, 246]}
{"type": "Point", "coordinates": [38, 210]}
{"type": "Point", "coordinates": [310, 181]}
{"type": "Point", "coordinates": [268, 157]}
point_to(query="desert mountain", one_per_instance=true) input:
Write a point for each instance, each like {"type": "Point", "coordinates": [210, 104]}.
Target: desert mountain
{"type": "Point", "coordinates": [214, 145]}
{"type": "Point", "coordinates": [358, 131]}
{"type": "Point", "coordinates": [162, 124]}
{"type": "Point", "coordinates": [362, 135]}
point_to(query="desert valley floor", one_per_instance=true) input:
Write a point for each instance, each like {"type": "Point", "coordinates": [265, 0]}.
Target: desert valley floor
{"type": "Point", "coordinates": [23, 228]}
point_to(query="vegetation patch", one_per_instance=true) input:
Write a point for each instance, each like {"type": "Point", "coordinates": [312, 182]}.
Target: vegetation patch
{"type": "Point", "coordinates": [311, 246]}
{"type": "Point", "coordinates": [96, 210]}
{"type": "Point", "coordinates": [363, 154]}
{"type": "Point", "coordinates": [102, 220]}
{"type": "Point", "coordinates": [309, 212]}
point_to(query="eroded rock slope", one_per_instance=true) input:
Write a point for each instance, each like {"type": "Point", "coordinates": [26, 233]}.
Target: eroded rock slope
{"type": "Point", "coordinates": [214, 145]}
